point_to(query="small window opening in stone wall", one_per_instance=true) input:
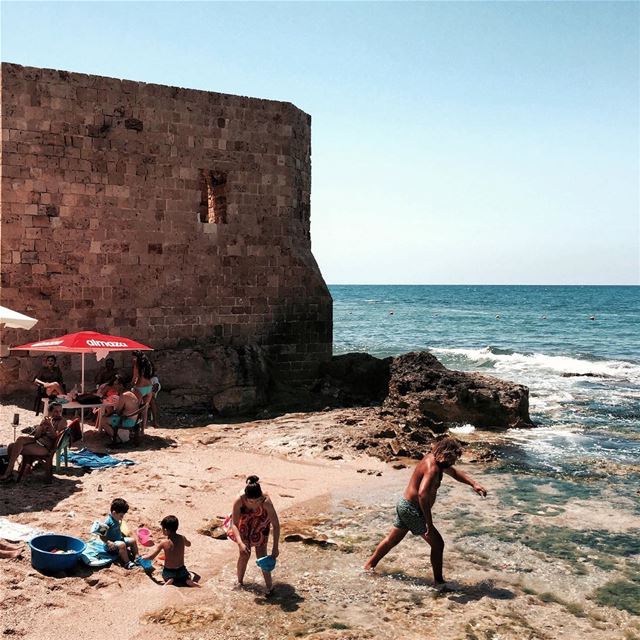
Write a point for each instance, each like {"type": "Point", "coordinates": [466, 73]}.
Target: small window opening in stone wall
{"type": "Point", "coordinates": [213, 197]}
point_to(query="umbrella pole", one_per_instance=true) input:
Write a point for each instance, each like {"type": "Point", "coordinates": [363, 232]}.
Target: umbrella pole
{"type": "Point", "coordinates": [82, 410]}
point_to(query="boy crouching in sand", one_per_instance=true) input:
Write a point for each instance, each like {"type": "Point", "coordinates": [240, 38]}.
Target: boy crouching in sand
{"type": "Point", "coordinates": [113, 537]}
{"type": "Point", "coordinates": [174, 571]}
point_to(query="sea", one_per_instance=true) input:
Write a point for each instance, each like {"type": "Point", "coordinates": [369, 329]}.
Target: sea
{"type": "Point", "coordinates": [577, 349]}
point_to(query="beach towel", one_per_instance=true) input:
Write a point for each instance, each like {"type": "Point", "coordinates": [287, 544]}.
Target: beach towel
{"type": "Point", "coordinates": [96, 554]}
{"type": "Point", "coordinates": [16, 532]}
{"type": "Point", "coordinates": [92, 460]}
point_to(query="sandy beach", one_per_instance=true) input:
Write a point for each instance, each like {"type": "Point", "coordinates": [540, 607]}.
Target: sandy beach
{"type": "Point", "coordinates": [341, 502]}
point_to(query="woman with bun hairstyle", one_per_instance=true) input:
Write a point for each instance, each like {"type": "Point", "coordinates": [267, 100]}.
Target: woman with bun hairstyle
{"type": "Point", "coordinates": [252, 517]}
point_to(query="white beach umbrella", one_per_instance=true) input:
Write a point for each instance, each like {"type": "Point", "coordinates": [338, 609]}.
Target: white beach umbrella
{"type": "Point", "coordinates": [14, 320]}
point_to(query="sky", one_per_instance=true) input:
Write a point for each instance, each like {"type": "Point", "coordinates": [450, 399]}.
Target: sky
{"type": "Point", "coordinates": [452, 142]}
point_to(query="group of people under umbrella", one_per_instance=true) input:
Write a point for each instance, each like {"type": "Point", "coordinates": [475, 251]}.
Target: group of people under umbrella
{"type": "Point", "coordinates": [126, 397]}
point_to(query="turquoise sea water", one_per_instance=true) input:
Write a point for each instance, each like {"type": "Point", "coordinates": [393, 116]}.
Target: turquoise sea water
{"type": "Point", "coordinates": [540, 336]}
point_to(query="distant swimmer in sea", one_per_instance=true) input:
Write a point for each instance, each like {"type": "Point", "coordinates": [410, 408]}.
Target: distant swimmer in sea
{"type": "Point", "coordinates": [414, 509]}
{"type": "Point", "coordinates": [498, 316]}
{"type": "Point", "coordinates": [592, 317]}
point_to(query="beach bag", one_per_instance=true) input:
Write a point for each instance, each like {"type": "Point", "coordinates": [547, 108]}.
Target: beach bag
{"type": "Point", "coordinates": [88, 398]}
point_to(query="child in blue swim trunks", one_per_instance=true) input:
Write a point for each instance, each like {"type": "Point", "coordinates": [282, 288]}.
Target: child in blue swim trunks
{"type": "Point", "coordinates": [174, 571]}
{"type": "Point", "coordinates": [116, 542]}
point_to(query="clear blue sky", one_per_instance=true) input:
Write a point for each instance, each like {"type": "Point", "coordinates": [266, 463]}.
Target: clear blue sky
{"type": "Point", "coordinates": [476, 142]}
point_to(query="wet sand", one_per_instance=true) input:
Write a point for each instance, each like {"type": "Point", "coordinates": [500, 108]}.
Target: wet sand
{"type": "Point", "coordinates": [538, 558]}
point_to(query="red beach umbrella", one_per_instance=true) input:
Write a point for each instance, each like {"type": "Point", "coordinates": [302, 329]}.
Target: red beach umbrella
{"type": "Point", "coordinates": [85, 342]}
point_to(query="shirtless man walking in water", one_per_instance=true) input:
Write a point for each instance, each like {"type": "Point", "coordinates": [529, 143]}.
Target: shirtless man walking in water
{"type": "Point", "coordinates": [413, 511]}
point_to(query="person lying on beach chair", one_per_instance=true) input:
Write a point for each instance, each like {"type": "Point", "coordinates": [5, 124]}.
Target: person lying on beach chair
{"type": "Point", "coordinates": [413, 510]}
{"type": "Point", "coordinates": [41, 442]}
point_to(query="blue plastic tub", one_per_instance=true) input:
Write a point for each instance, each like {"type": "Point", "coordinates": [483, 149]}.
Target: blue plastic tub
{"type": "Point", "coordinates": [43, 560]}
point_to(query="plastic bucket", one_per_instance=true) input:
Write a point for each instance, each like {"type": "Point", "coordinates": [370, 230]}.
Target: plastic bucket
{"type": "Point", "coordinates": [144, 536]}
{"type": "Point", "coordinates": [266, 563]}
{"type": "Point", "coordinates": [44, 560]}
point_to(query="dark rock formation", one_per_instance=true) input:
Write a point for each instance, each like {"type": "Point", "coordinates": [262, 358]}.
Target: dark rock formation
{"type": "Point", "coordinates": [214, 529]}
{"type": "Point", "coordinates": [429, 395]}
{"type": "Point", "coordinates": [420, 397]}
{"type": "Point", "coordinates": [222, 379]}
{"type": "Point", "coordinates": [354, 379]}
{"type": "Point", "coordinates": [423, 399]}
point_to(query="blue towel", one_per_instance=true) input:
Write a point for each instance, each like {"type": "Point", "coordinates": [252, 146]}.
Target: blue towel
{"type": "Point", "coordinates": [96, 554]}
{"type": "Point", "coordinates": [92, 460]}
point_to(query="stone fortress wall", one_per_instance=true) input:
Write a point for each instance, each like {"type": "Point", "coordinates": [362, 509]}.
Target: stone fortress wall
{"type": "Point", "coordinates": [168, 215]}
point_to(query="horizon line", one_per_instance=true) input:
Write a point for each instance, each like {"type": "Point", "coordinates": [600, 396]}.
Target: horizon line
{"type": "Point", "coordinates": [459, 284]}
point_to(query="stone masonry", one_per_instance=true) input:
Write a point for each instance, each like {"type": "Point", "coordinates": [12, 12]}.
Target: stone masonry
{"type": "Point", "coordinates": [168, 215]}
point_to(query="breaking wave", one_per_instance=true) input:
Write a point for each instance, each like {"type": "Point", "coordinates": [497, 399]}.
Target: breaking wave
{"type": "Point", "coordinates": [508, 361]}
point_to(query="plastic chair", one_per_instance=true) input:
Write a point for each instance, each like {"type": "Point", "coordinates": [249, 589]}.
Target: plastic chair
{"type": "Point", "coordinates": [62, 449]}
{"type": "Point", "coordinates": [137, 430]}
{"type": "Point", "coordinates": [37, 401]}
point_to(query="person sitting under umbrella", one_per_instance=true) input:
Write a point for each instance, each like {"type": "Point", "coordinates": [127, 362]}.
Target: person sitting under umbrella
{"type": "Point", "coordinates": [50, 377]}
{"type": "Point", "coordinates": [109, 395]}
{"type": "Point", "coordinates": [124, 412]}
{"type": "Point", "coordinates": [41, 443]}
{"type": "Point", "coordinates": [106, 374]}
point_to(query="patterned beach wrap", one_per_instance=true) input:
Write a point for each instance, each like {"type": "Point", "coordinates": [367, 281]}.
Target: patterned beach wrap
{"type": "Point", "coordinates": [227, 526]}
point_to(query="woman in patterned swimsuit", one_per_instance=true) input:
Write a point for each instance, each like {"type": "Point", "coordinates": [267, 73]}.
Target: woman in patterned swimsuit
{"type": "Point", "coordinates": [253, 515]}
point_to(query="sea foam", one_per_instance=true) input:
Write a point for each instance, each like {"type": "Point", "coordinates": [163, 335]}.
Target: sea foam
{"type": "Point", "coordinates": [506, 360]}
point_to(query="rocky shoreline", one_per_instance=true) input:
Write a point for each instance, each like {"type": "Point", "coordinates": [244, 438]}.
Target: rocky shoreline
{"type": "Point", "coordinates": [539, 558]}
